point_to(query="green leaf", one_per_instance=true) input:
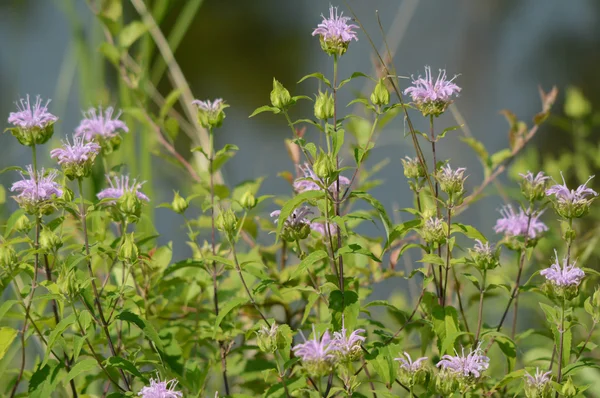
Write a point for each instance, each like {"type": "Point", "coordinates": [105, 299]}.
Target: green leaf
{"type": "Point", "coordinates": [432, 259]}
{"type": "Point", "coordinates": [344, 305]}
{"type": "Point", "coordinates": [121, 363]}
{"type": "Point", "coordinates": [400, 230]}
{"type": "Point", "coordinates": [512, 376]}
{"type": "Point", "coordinates": [499, 157]}
{"type": "Point", "coordinates": [111, 53]}
{"type": "Point", "coordinates": [316, 75]}
{"type": "Point", "coordinates": [468, 231]}
{"type": "Point", "coordinates": [292, 204]}
{"type": "Point", "coordinates": [56, 333]}
{"type": "Point", "coordinates": [131, 33]}
{"type": "Point", "coordinates": [308, 261]}
{"type": "Point", "coordinates": [337, 141]}
{"type": "Point", "coordinates": [387, 223]}
{"type": "Point", "coordinates": [355, 248]}
{"type": "Point", "coordinates": [265, 108]}
{"type": "Point", "coordinates": [479, 149]}
{"type": "Point", "coordinates": [6, 306]}
{"type": "Point", "coordinates": [145, 326]}
{"type": "Point", "coordinates": [7, 335]}
{"type": "Point", "coordinates": [473, 280]}
{"type": "Point", "coordinates": [171, 99]}
{"type": "Point", "coordinates": [353, 76]}
{"type": "Point", "coordinates": [84, 366]}
{"type": "Point", "coordinates": [227, 308]}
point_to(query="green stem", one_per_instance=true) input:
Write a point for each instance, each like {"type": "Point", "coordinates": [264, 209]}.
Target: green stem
{"type": "Point", "coordinates": [480, 318]}
{"type": "Point", "coordinates": [561, 343]}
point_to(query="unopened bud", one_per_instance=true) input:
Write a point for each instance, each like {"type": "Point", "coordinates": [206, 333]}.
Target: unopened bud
{"type": "Point", "coordinates": [413, 168]}
{"type": "Point", "coordinates": [179, 204]}
{"type": "Point", "coordinates": [434, 230]}
{"type": "Point", "coordinates": [8, 257]}
{"type": "Point", "coordinates": [380, 95]}
{"type": "Point", "coordinates": [248, 201]}
{"type": "Point", "coordinates": [324, 167]}
{"type": "Point", "coordinates": [324, 106]}
{"type": "Point", "coordinates": [129, 250]}
{"type": "Point", "coordinates": [569, 390]}
{"type": "Point", "coordinates": [227, 223]}
{"type": "Point", "coordinates": [280, 96]}
{"type": "Point", "coordinates": [23, 224]}
{"type": "Point", "coordinates": [130, 205]}
{"type": "Point", "coordinates": [49, 241]}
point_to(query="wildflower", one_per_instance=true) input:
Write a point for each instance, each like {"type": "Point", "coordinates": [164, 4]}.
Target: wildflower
{"type": "Point", "coordinates": [33, 125]}
{"type": "Point", "coordinates": [8, 257]}
{"type": "Point", "coordinates": [319, 227]}
{"type": "Point", "coordinates": [280, 96]}
{"type": "Point", "coordinates": [514, 224]}
{"type": "Point", "coordinates": [380, 95]}
{"type": "Point", "coordinates": [227, 223]}
{"type": "Point", "coordinates": [49, 241]}
{"type": "Point", "coordinates": [563, 280]}
{"type": "Point", "coordinates": [434, 230]}
{"type": "Point", "coordinates": [413, 168]}
{"type": "Point", "coordinates": [125, 197]}
{"type": "Point", "coordinates": [432, 98]}
{"type": "Point", "coordinates": [347, 347]}
{"type": "Point", "coordinates": [534, 187]}
{"type": "Point", "coordinates": [160, 389]}
{"type": "Point", "coordinates": [310, 181]}
{"type": "Point", "coordinates": [36, 190]}
{"type": "Point", "coordinates": [101, 126]}
{"type": "Point", "coordinates": [412, 372]}
{"type": "Point", "coordinates": [470, 366]}
{"type": "Point", "coordinates": [572, 203]}
{"type": "Point", "coordinates": [483, 255]}
{"type": "Point", "coordinates": [452, 182]}
{"type": "Point", "coordinates": [316, 354]}
{"type": "Point", "coordinates": [538, 385]}
{"type": "Point", "coordinates": [296, 226]}
{"type": "Point", "coordinates": [211, 113]}
{"type": "Point", "coordinates": [248, 200]}
{"type": "Point", "coordinates": [335, 32]}
{"type": "Point", "coordinates": [179, 204]}
{"type": "Point", "coordinates": [128, 251]}
{"type": "Point", "coordinates": [77, 158]}
{"type": "Point", "coordinates": [267, 338]}
{"type": "Point", "coordinates": [324, 106]}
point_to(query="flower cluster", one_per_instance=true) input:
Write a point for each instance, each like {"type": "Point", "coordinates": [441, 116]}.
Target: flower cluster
{"type": "Point", "coordinates": [124, 196]}
{"type": "Point", "coordinates": [461, 370]}
{"type": "Point", "coordinates": [36, 190]}
{"type": "Point", "coordinates": [160, 389]}
{"type": "Point", "coordinates": [520, 224]}
{"type": "Point", "coordinates": [211, 113]}
{"type": "Point", "coordinates": [335, 32]}
{"type": "Point", "coordinates": [432, 97]}
{"type": "Point", "coordinates": [76, 159]}
{"type": "Point", "coordinates": [412, 372]}
{"type": "Point", "coordinates": [434, 230]}
{"type": "Point", "coordinates": [538, 385]}
{"type": "Point", "coordinates": [483, 255]}
{"type": "Point", "coordinates": [102, 126]}
{"type": "Point", "coordinates": [452, 182]}
{"type": "Point", "coordinates": [564, 279]}
{"type": "Point", "coordinates": [571, 203]}
{"type": "Point", "coordinates": [33, 124]}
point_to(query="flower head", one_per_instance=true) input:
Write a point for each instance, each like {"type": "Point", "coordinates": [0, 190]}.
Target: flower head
{"type": "Point", "coordinates": [452, 182]}
{"type": "Point", "coordinates": [432, 97]}
{"type": "Point", "coordinates": [434, 230]}
{"type": "Point", "coordinates": [316, 354]}
{"type": "Point", "coordinates": [267, 337]}
{"type": "Point", "coordinates": [347, 347]}
{"type": "Point", "coordinates": [412, 372]}
{"type": "Point", "coordinates": [413, 168]}
{"type": "Point", "coordinates": [409, 365]}
{"type": "Point", "coordinates": [100, 124]}
{"type": "Point", "coordinates": [309, 181]}
{"type": "Point", "coordinates": [572, 203]}
{"type": "Point", "coordinates": [35, 189]}
{"type": "Point", "coordinates": [483, 255]}
{"type": "Point", "coordinates": [211, 113]}
{"type": "Point", "coordinates": [534, 187]}
{"type": "Point", "coordinates": [567, 275]}
{"type": "Point", "coordinates": [335, 32]}
{"type": "Point", "coordinates": [33, 124]}
{"type": "Point", "coordinates": [160, 389]}
{"type": "Point", "coordinates": [516, 224]}
{"type": "Point", "coordinates": [471, 365]}
{"type": "Point", "coordinates": [538, 385]}
{"type": "Point", "coordinates": [296, 226]}
{"type": "Point", "coordinates": [121, 186]}
{"type": "Point", "coordinates": [77, 158]}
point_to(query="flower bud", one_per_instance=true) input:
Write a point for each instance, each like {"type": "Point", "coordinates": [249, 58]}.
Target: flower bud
{"type": "Point", "coordinates": [227, 223]}
{"type": "Point", "coordinates": [483, 256]}
{"type": "Point", "coordinates": [130, 205]}
{"type": "Point", "coordinates": [452, 182]}
{"type": "Point", "coordinates": [446, 383]}
{"type": "Point", "coordinates": [324, 106]}
{"type": "Point", "coordinates": [280, 96]}
{"type": "Point", "coordinates": [128, 250]}
{"type": "Point", "coordinates": [568, 389]}
{"type": "Point", "coordinates": [211, 113]}
{"type": "Point", "coordinates": [267, 338]}
{"type": "Point", "coordinates": [49, 241]}
{"type": "Point", "coordinates": [23, 225]}
{"type": "Point", "coordinates": [324, 168]}
{"type": "Point", "coordinates": [68, 194]}
{"type": "Point", "coordinates": [248, 201]}
{"type": "Point", "coordinates": [533, 187]}
{"type": "Point", "coordinates": [380, 95]}
{"type": "Point", "coordinates": [434, 230]}
{"type": "Point", "coordinates": [8, 257]}
{"type": "Point", "coordinates": [179, 204]}
{"type": "Point", "coordinates": [413, 168]}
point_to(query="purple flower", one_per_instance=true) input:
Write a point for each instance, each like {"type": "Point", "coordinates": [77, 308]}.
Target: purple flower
{"type": "Point", "coordinates": [515, 224]}
{"type": "Point", "coordinates": [100, 124]}
{"type": "Point", "coordinates": [566, 275]}
{"type": "Point", "coordinates": [297, 218]}
{"type": "Point", "coordinates": [471, 365]}
{"type": "Point", "coordinates": [426, 90]}
{"type": "Point", "coordinates": [572, 203]}
{"type": "Point", "coordinates": [408, 364]}
{"type": "Point", "coordinates": [77, 153]}
{"type": "Point", "coordinates": [540, 178]}
{"type": "Point", "coordinates": [483, 249]}
{"type": "Point", "coordinates": [160, 389]}
{"type": "Point", "coordinates": [336, 28]}
{"type": "Point", "coordinates": [29, 117]}
{"type": "Point", "coordinates": [310, 179]}
{"type": "Point", "coordinates": [120, 186]}
{"type": "Point", "coordinates": [452, 181]}
{"type": "Point", "coordinates": [34, 192]}
{"type": "Point", "coordinates": [315, 350]}
{"type": "Point", "coordinates": [348, 347]}
{"type": "Point", "coordinates": [208, 105]}
{"type": "Point", "coordinates": [320, 228]}
{"type": "Point", "coordinates": [539, 380]}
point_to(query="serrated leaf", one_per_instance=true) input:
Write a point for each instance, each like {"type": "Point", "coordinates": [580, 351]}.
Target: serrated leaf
{"type": "Point", "coordinates": [84, 366]}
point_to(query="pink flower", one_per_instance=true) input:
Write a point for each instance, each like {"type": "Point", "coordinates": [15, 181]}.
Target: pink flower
{"type": "Point", "coordinates": [29, 117]}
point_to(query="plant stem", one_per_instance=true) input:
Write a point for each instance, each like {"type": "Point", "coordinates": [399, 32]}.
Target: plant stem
{"type": "Point", "coordinates": [103, 322]}
{"type": "Point", "coordinates": [448, 253]}
{"type": "Point", "coordinates": [442, 294]}
{"type": "Point", "coordinates": [480, 318]}
{"type": "Point", "coordinates": [587, 340]}
{"type": "Point", "coordinates": [561, 343]}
